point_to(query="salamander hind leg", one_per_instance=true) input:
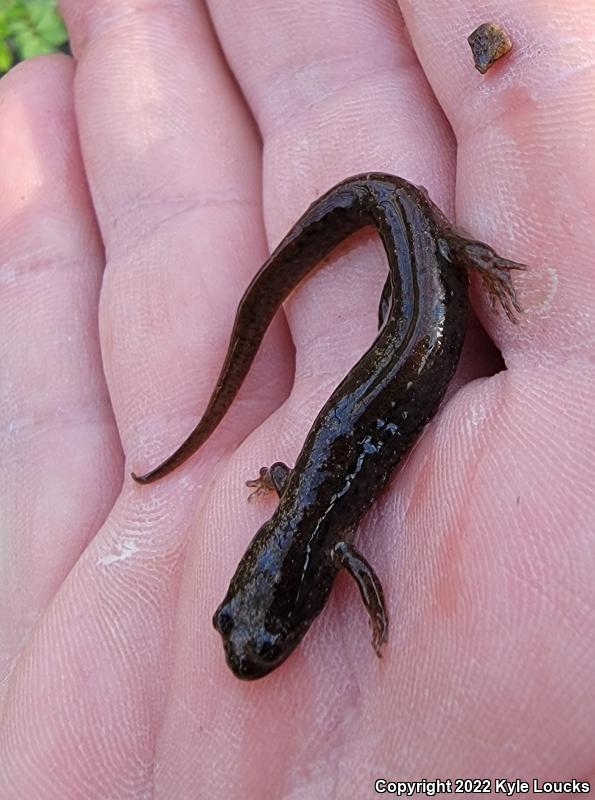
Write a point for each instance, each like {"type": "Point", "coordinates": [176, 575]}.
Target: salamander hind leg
{"type": "Point", "coordinates": [270, 479]}
{"type": "Point", "coordinates": [493, 270]}
{"type": "Point", "coordinates": [370, 588]}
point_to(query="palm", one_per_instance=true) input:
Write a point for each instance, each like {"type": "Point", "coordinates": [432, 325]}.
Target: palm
{"type": "Point", "coordinates": [114, 679]}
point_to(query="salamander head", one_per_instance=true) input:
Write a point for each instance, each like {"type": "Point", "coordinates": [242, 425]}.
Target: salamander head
{"type": "Point", "coordinates": [251, 650]}
{"type": "Point", "coordinates": [259, 620]}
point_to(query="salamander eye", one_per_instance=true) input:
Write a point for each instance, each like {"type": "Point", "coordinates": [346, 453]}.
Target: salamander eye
{"type": "Point", "coordinates": [223, 621]}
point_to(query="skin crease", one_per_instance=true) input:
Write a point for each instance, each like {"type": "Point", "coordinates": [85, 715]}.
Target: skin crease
{"type": "Point", "coordinates": [113, 681]}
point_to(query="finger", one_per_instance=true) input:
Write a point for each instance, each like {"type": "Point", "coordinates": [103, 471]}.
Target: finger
{"type": "Point", "coordinates": [55, 415]}
{"type": "Point", "coordinates": [173, 164]}
{"type": "Point", "coordinates": [89, 688]}
{"type": "Point", "coordinates": [522, 131]}
{"type": "Point", "coordinates": [327, 109]}
{"type": "Point", "coordinates": [327, 106]}
{"type": "Point", "coordinates": [525, 159]}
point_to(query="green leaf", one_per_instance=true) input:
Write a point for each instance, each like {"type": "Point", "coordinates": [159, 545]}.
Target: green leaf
{"type": "Point", "coordinates": [19, 27]}
{"type": "Point", "coordinates": [52, 30]}
{"type": "Point", "coordinates": [34, 46]}
{"type": "Point", "coordinates": [29, 28]}
{"type": "Point", "coordinates": [16, 11]}
{"type": "Point", "coordinates": [37, 11]}
{"type": "Point", "coordinates": [6, 57]}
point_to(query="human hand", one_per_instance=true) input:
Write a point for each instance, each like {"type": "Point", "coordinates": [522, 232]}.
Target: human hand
{"type": "Point", "coordinates": [114, 680]}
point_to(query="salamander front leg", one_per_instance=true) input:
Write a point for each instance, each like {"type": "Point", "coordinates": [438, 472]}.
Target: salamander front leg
{"type": "Point", "coordinates": [370, 588]}
{"type": "Point", "coordinates": [270, 479]}
{"type": "Point", "coordinates": [494, 271]}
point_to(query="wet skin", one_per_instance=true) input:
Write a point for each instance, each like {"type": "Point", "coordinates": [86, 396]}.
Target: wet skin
{"type": "Point", "coordinates": [367, 425]}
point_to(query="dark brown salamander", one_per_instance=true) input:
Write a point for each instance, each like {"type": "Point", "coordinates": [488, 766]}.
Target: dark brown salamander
{"type": "Point", "coordinates": [370, 421]}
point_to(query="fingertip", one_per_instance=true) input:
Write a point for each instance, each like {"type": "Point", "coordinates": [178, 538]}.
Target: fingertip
{"type": "Point", "coordinates": [49, 71]}
{"type": "Point", "coordinates": [38, 139]}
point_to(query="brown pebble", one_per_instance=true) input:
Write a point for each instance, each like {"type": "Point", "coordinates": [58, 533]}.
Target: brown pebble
{"type": "Point", "coordinates": [488, 42]}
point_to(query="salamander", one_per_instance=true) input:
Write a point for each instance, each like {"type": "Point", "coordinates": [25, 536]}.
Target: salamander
{"type": "Point", "coordinates": [368, 424]}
